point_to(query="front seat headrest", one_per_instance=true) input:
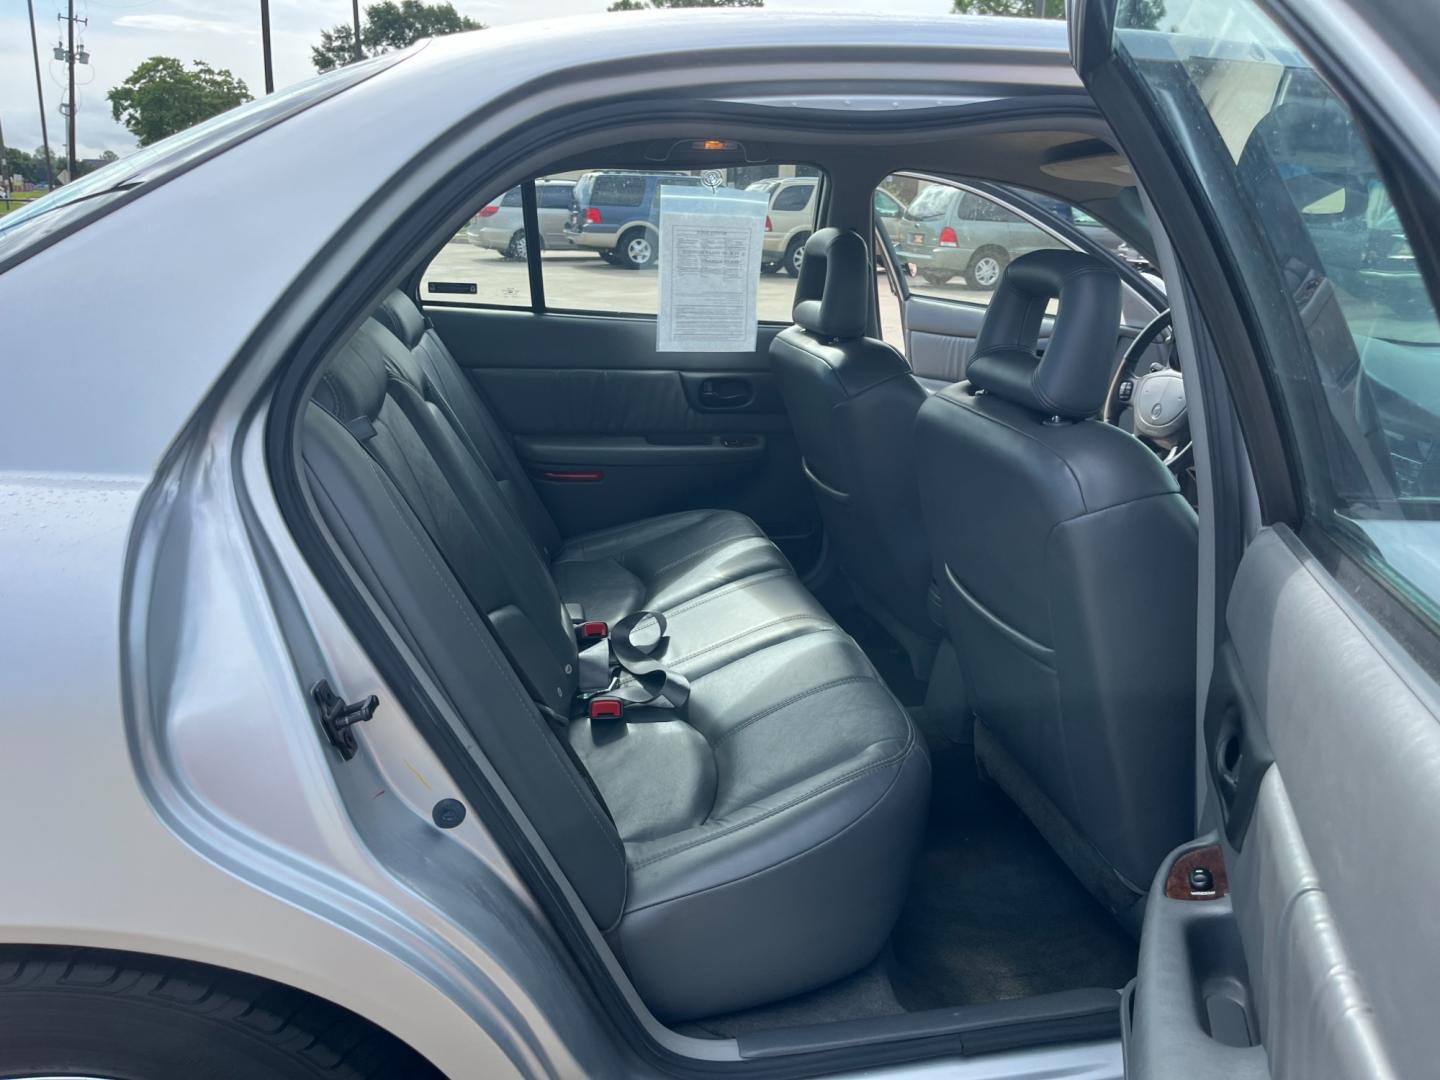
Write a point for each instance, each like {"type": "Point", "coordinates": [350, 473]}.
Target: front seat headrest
{"type": "Point", "coordinates": [832, 297]}
{"type": "Point", "coordinates": [1071, 379]}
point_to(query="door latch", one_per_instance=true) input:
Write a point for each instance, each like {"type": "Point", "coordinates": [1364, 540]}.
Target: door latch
{"type": "Point", "coordinates": [337, 716]}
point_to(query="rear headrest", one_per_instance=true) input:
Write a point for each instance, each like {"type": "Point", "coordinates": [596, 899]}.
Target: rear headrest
{"type": "Point", "coordinates": [1070, 380]}
{"type": "Point", "coordinates": [398, 314]}
{"type": "Point", "coordinates": [832, 297]}
{"type": "Point", "coordinates": [352, 386]}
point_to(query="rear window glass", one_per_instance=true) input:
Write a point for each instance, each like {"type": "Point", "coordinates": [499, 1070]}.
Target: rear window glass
{"type": "Point", "coordinates": [618, 190]}
{"type": "Point", "coordinates": [794, 197]}
{"type": "Point", "coordinates": [598, 244]}
{"type": "Point", "coordinates": [931, 203]}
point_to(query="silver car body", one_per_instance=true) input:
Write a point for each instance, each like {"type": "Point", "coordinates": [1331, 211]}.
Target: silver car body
{"type": "Point", "coordinates": [167, 791]}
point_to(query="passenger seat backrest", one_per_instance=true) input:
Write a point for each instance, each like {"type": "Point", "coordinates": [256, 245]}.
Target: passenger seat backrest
{"type": "Point", "coordinates": [852, 402]}
{"type": "Point", "coordinates": [1066, 560]}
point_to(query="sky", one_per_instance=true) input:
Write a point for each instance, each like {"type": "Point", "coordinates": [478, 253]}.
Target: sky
{"type": "Point", "coordinates": [226, 34]}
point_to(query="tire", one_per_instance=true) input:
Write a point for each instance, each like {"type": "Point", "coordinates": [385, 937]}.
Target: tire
{"type": "Point", "coordinates": [90, 1012]}
{"type": "Point", "coordinates": [519, 248]}
{"type": "Point", "coordinates": [637, 250]}
{"type": "Point", "coordinates": [985, 268]}
{"type": "Point", "coordinates": [937, 277]}
{"type": "Point", "coordinates": [794, 256]}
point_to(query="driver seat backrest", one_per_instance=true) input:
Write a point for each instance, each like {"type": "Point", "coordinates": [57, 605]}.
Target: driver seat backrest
{"type": "Point", "coordinates": [852, 402]}
{"type": "Point", "coordinates": [1066, 560]}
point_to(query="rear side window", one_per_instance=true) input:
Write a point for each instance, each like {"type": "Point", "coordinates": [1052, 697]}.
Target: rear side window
{"type": "Point", "coordinates": [1306, 215]}
{"type": "Point", "coordinates": [598, 245]}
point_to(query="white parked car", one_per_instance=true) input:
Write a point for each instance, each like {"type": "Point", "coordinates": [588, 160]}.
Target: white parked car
{"type": "Point", "coordinates": [411, 671]}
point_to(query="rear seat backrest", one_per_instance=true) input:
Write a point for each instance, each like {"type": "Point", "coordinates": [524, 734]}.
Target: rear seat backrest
{"type": "Point", "coordinates": [384, 540]}
{"type": "Point", "coordinates": [375, 388]}
{"type": "Point", "coordinates": [473, 420]}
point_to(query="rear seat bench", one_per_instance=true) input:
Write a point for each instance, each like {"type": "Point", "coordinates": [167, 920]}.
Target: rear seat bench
{"type": "Point", "coordinates": [750, 846]}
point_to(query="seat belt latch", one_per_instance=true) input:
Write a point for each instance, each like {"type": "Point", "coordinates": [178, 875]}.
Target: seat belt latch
{"type": "Point", "coordinates": [594, 630]}
{"type": "Point", "coordinates": [606, 708]}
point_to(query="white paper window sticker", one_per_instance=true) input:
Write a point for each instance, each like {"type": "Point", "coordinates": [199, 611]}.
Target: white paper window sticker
{"type": "Point", "coordinates": [709, 268]}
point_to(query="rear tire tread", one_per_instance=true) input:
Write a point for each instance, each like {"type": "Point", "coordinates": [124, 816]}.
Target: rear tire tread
{"type": "Point", "coordinates": [330, 1041]}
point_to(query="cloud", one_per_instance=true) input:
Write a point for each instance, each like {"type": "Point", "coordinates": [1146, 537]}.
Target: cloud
{"type": "Point", "coordinates": [182, 24]}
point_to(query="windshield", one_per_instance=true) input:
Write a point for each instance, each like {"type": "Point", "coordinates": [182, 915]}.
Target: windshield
{"type": "Point", "coordinates": [55, 211]}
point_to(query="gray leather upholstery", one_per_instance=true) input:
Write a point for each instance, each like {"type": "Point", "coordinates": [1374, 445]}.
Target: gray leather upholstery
{"type": "Point", "coordinates": [1066, 558]}
{"type": "Point", "coordinates": [756, 844]}
{"type": "Point", "coordinates": [852, 402]}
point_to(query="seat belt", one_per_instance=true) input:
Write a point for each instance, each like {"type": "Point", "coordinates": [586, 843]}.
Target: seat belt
{"type": "Point", "coordinates": [631, 646]}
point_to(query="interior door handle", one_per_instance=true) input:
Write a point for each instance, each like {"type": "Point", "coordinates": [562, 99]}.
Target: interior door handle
{"type": "Point", "coordinates": [726, 393]}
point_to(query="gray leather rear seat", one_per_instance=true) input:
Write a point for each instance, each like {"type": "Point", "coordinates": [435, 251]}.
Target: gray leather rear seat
{"type": "Point", "coordinates": [752, 846]}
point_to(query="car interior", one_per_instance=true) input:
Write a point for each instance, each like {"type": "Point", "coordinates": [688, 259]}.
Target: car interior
{"type": "Point", "coordinates": [846, 680]}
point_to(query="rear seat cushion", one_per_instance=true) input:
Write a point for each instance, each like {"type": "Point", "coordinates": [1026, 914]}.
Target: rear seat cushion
{"type": "Point", "coordinates": [794, 773]}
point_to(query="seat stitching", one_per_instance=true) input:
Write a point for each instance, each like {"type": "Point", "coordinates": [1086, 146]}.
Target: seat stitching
{"type": "Point", "coordinates": [726, 590]}
{"type": "Point", "coordinates": [527, 707]}
{"type": "Point", "coordinates": [839, 780]}
{"type": "Point", "coordinates": [791, 700]}
{"type": "Point", "coordinates": [708, 547]}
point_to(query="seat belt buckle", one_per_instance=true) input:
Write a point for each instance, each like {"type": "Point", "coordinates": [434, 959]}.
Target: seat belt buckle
{"type": "Point", "coordinates": [606, 708]}
{"type": "Point", "coordinates": [594, 630]}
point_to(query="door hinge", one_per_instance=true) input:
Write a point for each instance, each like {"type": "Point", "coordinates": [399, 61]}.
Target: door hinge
{"type": "Point", "coordinates": [337, 717]}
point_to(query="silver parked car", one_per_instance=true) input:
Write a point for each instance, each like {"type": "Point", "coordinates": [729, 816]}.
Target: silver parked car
{"type": "Point", "coordinates": [402, 681]}
{"type": "Point", "coordinates": [500, 225]}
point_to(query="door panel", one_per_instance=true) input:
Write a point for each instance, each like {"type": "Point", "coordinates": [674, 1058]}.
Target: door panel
{"type": "Point", "coordinates": [1306, 952]}
{"type": "Point", "coordinates": [612, 431]}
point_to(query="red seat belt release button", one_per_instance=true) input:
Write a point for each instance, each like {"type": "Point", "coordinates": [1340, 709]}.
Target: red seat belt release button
{"type": "Point", "coordinates": [594, 631]}
{"type": "Point", "coordinates": [606, 708]}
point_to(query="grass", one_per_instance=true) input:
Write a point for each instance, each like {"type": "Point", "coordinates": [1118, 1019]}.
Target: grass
{"type": "Point", "coordinates": [19, 199]}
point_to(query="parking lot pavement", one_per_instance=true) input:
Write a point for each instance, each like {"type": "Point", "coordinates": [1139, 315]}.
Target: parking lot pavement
{"type": "Point", "coordinates": [582, 281]}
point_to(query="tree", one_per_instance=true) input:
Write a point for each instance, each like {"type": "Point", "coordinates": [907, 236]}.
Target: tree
{"type": "Point", "coordinates": [389, 25]}
{"type": "Point", "coordinates": [160, 97]}
{"type": "Point", "coordinates": [647, 5]}
{"type": "Point", "coordinates": [1053, 9]}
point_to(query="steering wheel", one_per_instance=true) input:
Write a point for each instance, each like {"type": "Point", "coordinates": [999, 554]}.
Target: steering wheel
{"type": "Point", "coordinates": [1155, 397]}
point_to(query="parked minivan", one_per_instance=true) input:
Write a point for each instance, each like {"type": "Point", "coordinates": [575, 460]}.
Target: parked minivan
{"type": "Point", "coordinates": [948, 231]}
{"type": "Point", "coordinates": [618, 214]}
{"type": "Point", "coordinates": [500, 225]}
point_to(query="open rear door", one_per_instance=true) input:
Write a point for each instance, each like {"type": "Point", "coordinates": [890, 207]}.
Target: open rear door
{"type": "Point", "coordinates": [1299, 937]}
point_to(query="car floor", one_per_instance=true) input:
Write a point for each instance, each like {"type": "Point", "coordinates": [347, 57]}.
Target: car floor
{"type": "Point", "coordinates": [992, 913]}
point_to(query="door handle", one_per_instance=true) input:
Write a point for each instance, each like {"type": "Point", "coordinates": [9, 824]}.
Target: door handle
{"type": "Point", "coordinates": [726, 393]}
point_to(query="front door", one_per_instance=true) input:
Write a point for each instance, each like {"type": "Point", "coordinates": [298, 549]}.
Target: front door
{"type": "Point", "coordinates": [1298, 937]}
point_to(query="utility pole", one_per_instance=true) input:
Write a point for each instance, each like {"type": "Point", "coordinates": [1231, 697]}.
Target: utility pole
{"type": "Point", "coordinates": [67, 53]}
{"type": "Point", "coordinates": [40, 94]}
{"type": "Point", "coordinates": [4, 172]}
{"type": "Point", "coordinates": [265, 45]}
{"type": "Point", "coordinates": [355, 10]}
